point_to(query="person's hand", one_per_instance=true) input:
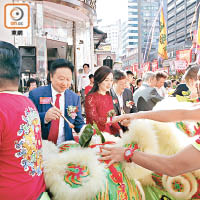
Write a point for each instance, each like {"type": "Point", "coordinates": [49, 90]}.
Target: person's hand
{"type": "Point", "coordinates": [114, 154]}
{"type": "Point", "coordinates": [52, 114]}
{"type": "Point", "coordinates": [79, 94]}
{"type": "Point", "coordinates": [125, 122]}
{"type": "Point", "coordinates": [120, 118]}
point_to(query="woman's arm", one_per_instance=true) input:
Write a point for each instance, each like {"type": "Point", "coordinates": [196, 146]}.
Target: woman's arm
{"type": "Point", "coordinates": [191, 114]}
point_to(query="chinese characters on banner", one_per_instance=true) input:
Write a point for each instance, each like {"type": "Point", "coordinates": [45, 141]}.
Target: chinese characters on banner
{"type": "Point", "coordinates": [185, 55]}
{"type": "Point", "coordinates": [154, 65]}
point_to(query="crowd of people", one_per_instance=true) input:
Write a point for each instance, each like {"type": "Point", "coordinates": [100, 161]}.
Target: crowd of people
{"type": "Point", "coordinates": [53, 112]}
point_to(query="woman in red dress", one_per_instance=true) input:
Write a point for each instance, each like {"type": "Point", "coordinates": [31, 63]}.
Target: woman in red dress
{"type": "Point", "coordinates": [98, 103]}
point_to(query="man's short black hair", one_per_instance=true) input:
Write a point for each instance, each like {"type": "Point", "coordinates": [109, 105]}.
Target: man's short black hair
{"type": "Point", "coordinates": [61, 63]}
{"type": "Point", "coordinates": [86, 65]}
{"type": "Point", "coordinates": [129, 73]}
{"type": "Point", "coordinates": [118, 75]}
{"type": "Point", "coordinates": [91, 76]}
{"type": "Point", "coordinates": [138, 81]}
{"type": "Point", "coordinates": [10, 61]}
{"type": "Point", "coordinates": [32, 80]}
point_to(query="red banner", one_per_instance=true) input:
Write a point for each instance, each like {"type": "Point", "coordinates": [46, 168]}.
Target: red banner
{"type": "Point", "coordinates": [154, 65]}
{"type": "Point", "coordinates": [146, 67]}
{"type": "Point", "coordinates": [136, 67]}
{"type": "Point", "coordinates": [184, 55]}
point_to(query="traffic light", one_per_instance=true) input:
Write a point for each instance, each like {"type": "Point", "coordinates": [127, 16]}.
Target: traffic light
{"type": "Point", "coordinates": [108, 62]}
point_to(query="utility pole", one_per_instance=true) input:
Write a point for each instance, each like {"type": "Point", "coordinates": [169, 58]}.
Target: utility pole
{"type": "Point", "coordinates": [139, 35]}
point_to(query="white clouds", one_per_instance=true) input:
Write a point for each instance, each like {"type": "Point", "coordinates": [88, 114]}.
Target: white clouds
{"type": "Point", "coordinates": [112, 10]}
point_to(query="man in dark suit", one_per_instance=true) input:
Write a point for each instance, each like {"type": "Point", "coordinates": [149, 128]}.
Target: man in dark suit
{"type": "Point", "coordinates": [66, 103]}
{"type": "Point", "coordinates": [180, 88]}
{"type": "Point", "coordinates": [131, 81]}
{"type": "Point", "coordinates": [121, 95]}
{"type": "Point", "coordinates": [146, 96]}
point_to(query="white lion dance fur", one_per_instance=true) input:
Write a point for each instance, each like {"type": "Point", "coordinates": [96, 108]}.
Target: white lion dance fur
{"type": "Point", "coordinates": [55, 165]}
{"type": "Point", "coordinates": [152, 137]}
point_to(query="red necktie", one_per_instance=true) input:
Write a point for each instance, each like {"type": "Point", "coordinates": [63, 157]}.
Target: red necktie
{"type": "Point", "coordinates": [54, 129]}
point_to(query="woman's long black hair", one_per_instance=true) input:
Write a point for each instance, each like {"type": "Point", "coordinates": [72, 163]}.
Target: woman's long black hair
{"type": "Point", "coordinates": [99, 76]}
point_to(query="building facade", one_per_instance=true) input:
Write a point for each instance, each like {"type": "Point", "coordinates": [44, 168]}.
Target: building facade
{"type": "Point", "coordinates": [132, 32]}
{"type": "Point", "coordinates": [58, 29]}
{"type": "Point", "coordinates": [141, 31]}
{"type": "Point", "coordinates": [113, 36]}
{"type": "Point", "coordinates": [180, 23]}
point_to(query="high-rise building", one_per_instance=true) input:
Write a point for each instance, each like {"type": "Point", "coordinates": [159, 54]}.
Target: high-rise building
{"type": "Point", "coordinates": [145, 12]}
{"type": "Point", "coordinates": [180, 15]}
{"type": "Point", "coordinates": [113, 35]}
{"type": "Point", "coordinates": [132, 24]}
{"type": "Point", "coordinates": [150, 28]}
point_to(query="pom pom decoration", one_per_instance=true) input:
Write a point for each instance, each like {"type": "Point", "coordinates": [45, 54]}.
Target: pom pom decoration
{"type": "Point", "coordinates": [182, 187]}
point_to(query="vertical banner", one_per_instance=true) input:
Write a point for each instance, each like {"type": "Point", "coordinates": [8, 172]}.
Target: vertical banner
{"type": "Point", "coordinates": [162, 46]}
{"type": "Point", "coordinates": [154, 65]}
{"type": "Point", "coordinates": [136, 67]}
{"type": "Point", "coordinates": [198, 32]}
{"type": "Point", "coordinates": [146, 67]}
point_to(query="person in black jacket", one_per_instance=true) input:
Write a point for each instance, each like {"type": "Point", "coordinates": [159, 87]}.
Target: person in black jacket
{"type": "Point", "coordinates": [122, 96]}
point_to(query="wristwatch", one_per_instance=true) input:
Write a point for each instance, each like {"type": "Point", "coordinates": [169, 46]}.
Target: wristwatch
{"type": "Point", "coordinates": [128, 153]}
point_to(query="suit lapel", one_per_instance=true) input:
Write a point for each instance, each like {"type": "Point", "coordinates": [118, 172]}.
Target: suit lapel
{"type": "Point", "coordinates": [124, 100]}
{"type": "Point", "coordinates": [47, 93]}
{"type": "Point", "coordinates": [67, 102]}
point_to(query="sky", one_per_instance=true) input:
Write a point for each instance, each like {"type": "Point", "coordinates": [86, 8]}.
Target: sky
{"type": "Point", "coordinates": [111, 10]}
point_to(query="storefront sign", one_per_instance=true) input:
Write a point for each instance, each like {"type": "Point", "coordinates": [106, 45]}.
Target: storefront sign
{"type": "Point", "coordinates": [180, 64]}
{"type": "Point", "coordinates": [184, 55]}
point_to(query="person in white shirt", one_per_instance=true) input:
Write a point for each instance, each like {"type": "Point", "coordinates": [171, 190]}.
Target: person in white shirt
{"type": "Point", "coordinates": [83, 82]}
{"type": "Point", "coordinates": [55, 101]}
{"type": "Point", "coordinates": [160, 80]}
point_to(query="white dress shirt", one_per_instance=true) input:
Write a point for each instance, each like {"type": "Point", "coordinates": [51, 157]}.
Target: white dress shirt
{"type": "Point", "coordinates": [121, 101]}
{"type": "Point", "coordinates": [162, 91]}
{"type": "Point", "coordinates": [61, 134]}
{"type": "Point", "coordinates": [83, 81]}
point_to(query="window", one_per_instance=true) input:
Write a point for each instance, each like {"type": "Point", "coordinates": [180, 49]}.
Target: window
{"type": "Point", "coordinates": [133, 7]}
{"type": "Point", "coordinates": [132, 19]}
{"type": "Point", "coordinates": [133, 13]}
{"type": "Point", "coordinates": [133, 25]}
{"type": "Point", "coordinates": [133, 31]}
{"type": "Point", "coordinates": [133, 37]}
{"type": "Point", "coordinates": [132, 43]}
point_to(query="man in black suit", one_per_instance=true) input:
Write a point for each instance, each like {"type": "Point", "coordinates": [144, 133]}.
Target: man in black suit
{"type": "Point", "coordinates": [121, 95]}
{"type": "Point", "coordinates": [180, 88]}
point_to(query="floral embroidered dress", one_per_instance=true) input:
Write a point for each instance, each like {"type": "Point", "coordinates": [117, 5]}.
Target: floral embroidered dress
{"type": "Point", "coordinates": [21, 172]}
{"type": "Point", "coordinates": [97, 107]}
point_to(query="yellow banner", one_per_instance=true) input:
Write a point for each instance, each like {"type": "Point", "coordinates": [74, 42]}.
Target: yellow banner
{"type": "Point", "coordinates": [198, 32]}
{"type": "Point", "coordinates": [162, 46]}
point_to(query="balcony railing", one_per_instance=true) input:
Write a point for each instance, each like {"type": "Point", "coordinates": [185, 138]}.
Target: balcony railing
{"type": "Point", "coordinates": [91, 3]}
